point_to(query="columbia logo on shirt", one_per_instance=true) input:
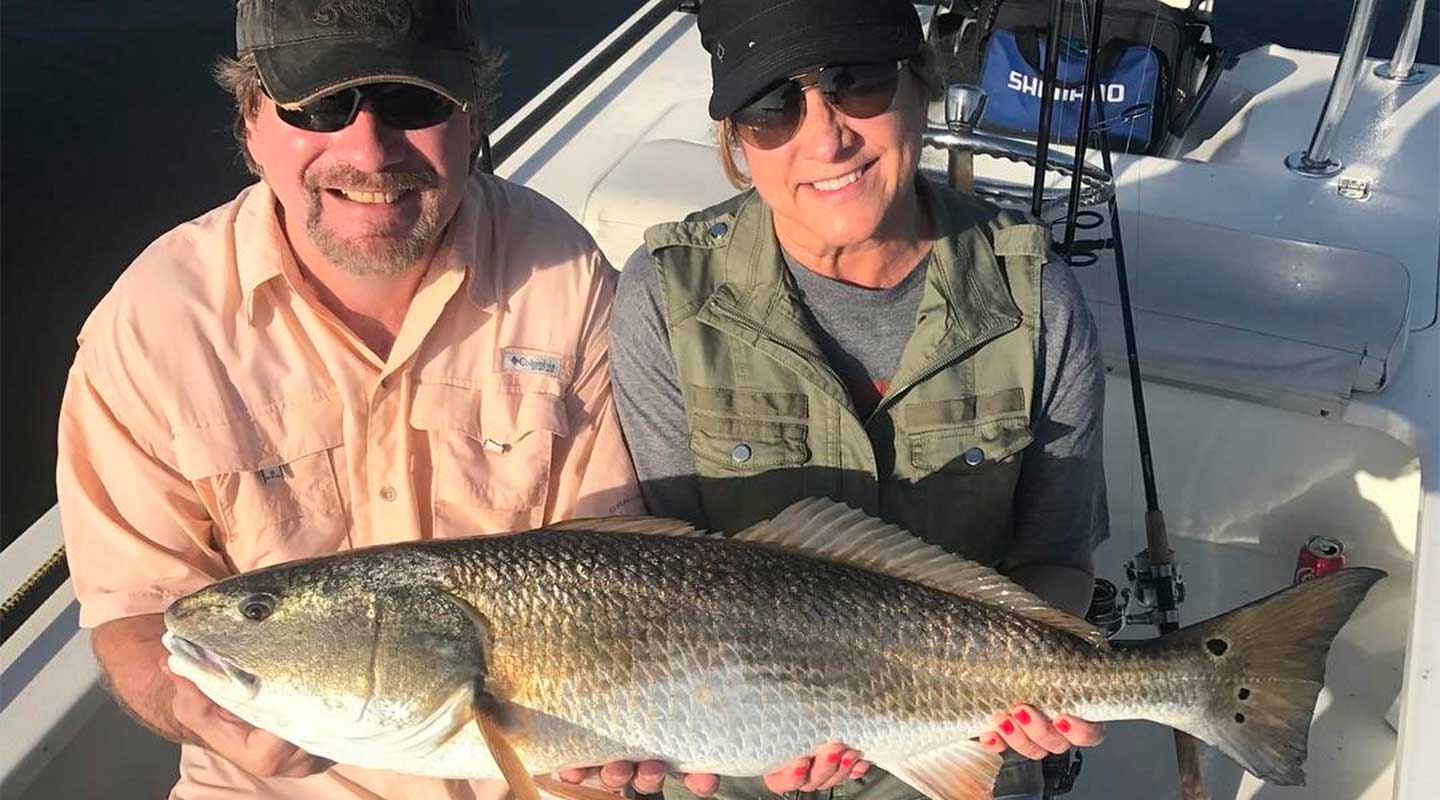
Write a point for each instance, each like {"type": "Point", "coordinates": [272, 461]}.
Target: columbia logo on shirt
{"type": "Point", "coordinates": [531, 363]}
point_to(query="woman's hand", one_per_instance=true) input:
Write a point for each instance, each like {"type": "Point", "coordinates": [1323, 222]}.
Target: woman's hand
{"type": "Point", "coordinates": [827, 768]}
{"type": "Point", "coordinates": [1033, 735]}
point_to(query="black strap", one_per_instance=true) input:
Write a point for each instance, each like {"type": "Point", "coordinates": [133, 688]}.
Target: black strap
{"type": "Point", "coordinates": [960, 46]}
{"type": "Point", "coordinates": [1027, 40]}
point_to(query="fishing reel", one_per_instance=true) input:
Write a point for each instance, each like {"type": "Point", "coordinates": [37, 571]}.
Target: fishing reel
{"type": "Point", "coordinates": [1109, 606]}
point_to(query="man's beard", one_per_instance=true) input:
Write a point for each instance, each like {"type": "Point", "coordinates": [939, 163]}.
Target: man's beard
{"type": "Point", "coordinates": [391, 252]}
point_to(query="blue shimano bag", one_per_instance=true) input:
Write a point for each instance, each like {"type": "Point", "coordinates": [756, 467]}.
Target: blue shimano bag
{"type": "Point", "coordinates": [1154, 67]}
{"type": "Point", "coordinates": [1128, 79]}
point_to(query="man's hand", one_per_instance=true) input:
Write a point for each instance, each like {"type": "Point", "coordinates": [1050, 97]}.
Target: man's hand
{"type": "Point", "coordinates": [137, 673]}
{"type": "Point", "coordinates": [1033, 735]}
{"type": "Point", "coordinates": [831, 765]}
{"type": "Point", "coordinates": [828, 767]}
{"type": "Point", "coordinates": [258, 752]}
{"type": "Point", "coordinates": [646, 776]}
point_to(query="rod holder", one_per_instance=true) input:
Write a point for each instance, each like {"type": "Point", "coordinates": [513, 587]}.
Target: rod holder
{"type": "Point", "coordinates": [1317, 160]}
{"type": "Point", "coordinates": [1401, 67]}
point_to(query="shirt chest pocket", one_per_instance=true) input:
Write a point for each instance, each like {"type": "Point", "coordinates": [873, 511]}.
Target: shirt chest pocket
{"type": "Point", "coordinates": [272, 481]}
{"type": "Point", "coordinates": [491, 452]}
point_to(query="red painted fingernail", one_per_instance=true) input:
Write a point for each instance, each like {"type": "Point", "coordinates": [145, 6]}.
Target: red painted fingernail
{"type": "Point", "coordinates": [802, 770]}
{"type": "Point", "coordinates": [847, 761]}
{"type": "Point", "coordinates": [1062, 725]}
{"type": "Point", "coordinates": [1007, 727]}
{"type": "Point", "coordinates": [987, 740]}
{"type": "Point", "coordinates": [834, 756]}
{"type": "Point", "coordinates": [1023, 716]}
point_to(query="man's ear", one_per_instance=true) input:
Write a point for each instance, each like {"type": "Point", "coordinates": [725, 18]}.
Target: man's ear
{"type": "Point", "coordinates": [249, 123]}
{"type": "Point", "coordinates": [252, 118]}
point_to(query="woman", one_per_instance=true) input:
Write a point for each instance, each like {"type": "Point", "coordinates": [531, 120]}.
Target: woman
{"type": "Point", "coordinates": [848, 328]}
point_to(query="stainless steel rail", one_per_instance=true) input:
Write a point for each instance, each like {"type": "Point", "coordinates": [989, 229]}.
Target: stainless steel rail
{"type": "Point", "coordinates": [1401, 68]}
{"type": "Point", "coordinates": [1097, 185]}
{"type": "Point", "coordinates": [1317, 161]}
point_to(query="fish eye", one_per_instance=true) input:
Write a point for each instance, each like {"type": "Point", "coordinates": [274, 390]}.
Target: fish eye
{"type": "Point", "coordinates": [257, 607]}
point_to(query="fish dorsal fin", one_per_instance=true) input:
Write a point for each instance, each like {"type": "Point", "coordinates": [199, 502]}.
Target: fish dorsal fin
{"type": "Point", "coordinates": [960, 771]}
{"type": "Point", "coordinates": [823, 528]}
{"type": "Point", "coordinates": [654, 526]}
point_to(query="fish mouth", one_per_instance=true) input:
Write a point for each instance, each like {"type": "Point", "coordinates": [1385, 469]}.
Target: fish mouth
{"type": "Point", "coordinates": [192, 660]}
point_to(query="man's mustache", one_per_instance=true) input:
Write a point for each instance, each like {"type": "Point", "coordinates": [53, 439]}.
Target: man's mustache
{"type": "Point", "coordinates": [348, 178]}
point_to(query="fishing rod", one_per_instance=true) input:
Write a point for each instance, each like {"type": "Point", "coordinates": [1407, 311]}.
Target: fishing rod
{"type": "Point", "coordinates": [1154, 567]}
{"type": "Point", "coordinates": [1047, 109]}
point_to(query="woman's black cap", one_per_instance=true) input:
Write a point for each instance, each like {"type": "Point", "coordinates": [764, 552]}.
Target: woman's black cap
{"type": "Point", "coordinates": [309, 48]}
{"type": "Point", "coordinates": [755, 43]}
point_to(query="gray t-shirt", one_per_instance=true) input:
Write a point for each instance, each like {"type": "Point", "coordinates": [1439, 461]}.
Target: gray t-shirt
{"type": "Point", "coordinates": [1060, 510]}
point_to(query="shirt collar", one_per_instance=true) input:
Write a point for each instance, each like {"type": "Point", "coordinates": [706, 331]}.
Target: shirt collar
{"type": "Point", "coordinates": [260, 247]}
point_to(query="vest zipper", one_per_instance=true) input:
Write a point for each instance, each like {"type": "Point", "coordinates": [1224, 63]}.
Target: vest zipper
{"type": "Point", "coordinates": [800, 350]}
{"type": "Point", "coordinates": [935, 366]}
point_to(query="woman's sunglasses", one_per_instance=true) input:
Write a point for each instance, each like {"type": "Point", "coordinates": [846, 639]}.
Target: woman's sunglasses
{"type": "Point", "coordinates": [861, 91]}
{"type": "Point", "coordinates": [398, 105]}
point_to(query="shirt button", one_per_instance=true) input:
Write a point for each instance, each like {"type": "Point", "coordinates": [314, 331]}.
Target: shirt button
{"type": "Point", "coordinates": [974, 456]}
{"type": "Point", "coordinates": [718, 229]}
{"type": "Point", "coordinates": [388, 493]}
{"type": "Point", "coordinates": [741, 453]}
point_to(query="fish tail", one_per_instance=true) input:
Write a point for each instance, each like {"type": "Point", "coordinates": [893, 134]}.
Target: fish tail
{"type": "Point", "coordinates": [1272, 653]}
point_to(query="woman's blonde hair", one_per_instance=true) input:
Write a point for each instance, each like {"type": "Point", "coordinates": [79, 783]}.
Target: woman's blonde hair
{"type": "Point", "coordinates": [727, 141]}
{"type": "Point", "coordinates": [241, 78]}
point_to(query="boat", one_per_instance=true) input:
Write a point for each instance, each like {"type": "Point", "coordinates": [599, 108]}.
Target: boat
{"type": "Point", "coordinates": [1284, 272]}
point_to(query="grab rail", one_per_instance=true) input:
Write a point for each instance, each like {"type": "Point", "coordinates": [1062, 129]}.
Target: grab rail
{"type": "Point", "coordinates": [1401, 68]}
{"type": "Point", "coordinates": [519, 133]}
{"type": "Point", "coordinates": [1317, 161]}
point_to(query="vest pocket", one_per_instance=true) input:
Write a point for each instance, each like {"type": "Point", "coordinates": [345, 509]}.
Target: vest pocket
{"type": "Point", "coordinates": [273, 480]}
{"type": "Point", "coordinates": [490, 450]}
{"type": "Point", "coordinates": [967, 476]}
{"type": "Point", "coordinates": [971, 449]}
{"type": "Point", "coordinates": [744, 447]}
{"type": "Point", "coordinates": [747, 468]}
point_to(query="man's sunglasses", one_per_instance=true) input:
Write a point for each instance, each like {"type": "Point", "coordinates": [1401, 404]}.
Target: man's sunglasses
{"type": "Point", "coordinates": [861, 91]}
{"type": "Point", "coordinates": [398, 105]}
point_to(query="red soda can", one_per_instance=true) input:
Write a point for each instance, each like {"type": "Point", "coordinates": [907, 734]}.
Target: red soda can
{"type": "Point", "coordinates": [1320, 555]}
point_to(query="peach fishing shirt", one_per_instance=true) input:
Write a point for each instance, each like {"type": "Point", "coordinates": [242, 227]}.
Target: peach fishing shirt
{"type": "Point", "coordinates": [218, 418]}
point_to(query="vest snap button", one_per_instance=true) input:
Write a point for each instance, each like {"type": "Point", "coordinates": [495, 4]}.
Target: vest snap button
{"type": "Point", "coordinates": [974, 456]}
{"type": "Point", "coordinates": [741, 453]}
{"type": "Point", "coordinates": [718, 229]}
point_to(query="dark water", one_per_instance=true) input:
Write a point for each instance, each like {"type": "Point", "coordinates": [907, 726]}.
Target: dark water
{"type": "Point", "coordinates": [112, 133]}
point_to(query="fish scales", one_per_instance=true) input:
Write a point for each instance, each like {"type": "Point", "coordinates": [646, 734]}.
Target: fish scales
{"type": "Point", "coordinates": [612, 632]}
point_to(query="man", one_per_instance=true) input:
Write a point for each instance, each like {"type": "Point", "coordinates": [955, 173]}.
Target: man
{"type": "Point", "coordinates": [372, 344]}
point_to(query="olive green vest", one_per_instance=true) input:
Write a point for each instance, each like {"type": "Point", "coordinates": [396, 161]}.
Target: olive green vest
{"type": "Point", "coordinates": [770, 422]}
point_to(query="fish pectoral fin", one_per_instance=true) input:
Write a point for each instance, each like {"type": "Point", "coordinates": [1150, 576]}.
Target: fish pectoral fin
{"type": "Point", "coordinates": [961, 771]}
{"type": "Point", "coordinates": [522, 785]}
{"type": "Point", "coordinates": [573, 791]}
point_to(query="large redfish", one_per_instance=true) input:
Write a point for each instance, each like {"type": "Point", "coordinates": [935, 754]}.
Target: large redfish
{"type": "Point", "coordinates": [637, 638]}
